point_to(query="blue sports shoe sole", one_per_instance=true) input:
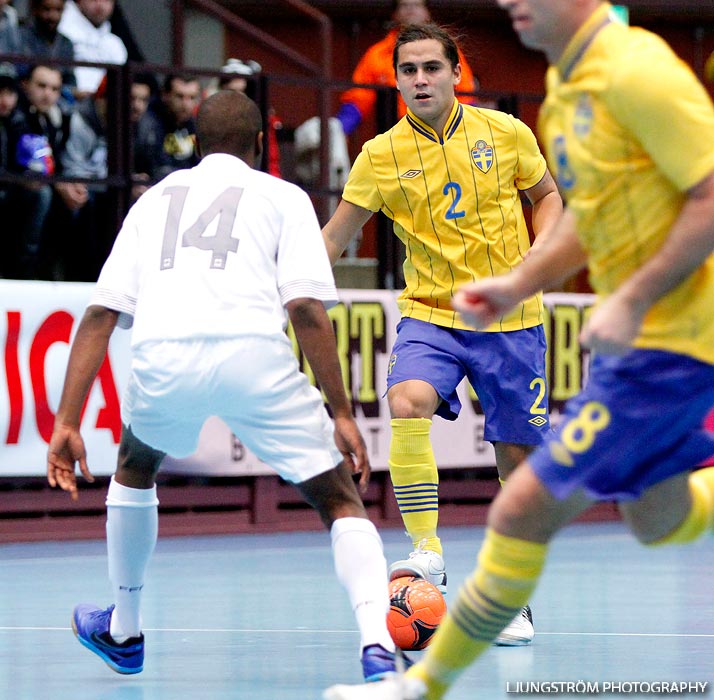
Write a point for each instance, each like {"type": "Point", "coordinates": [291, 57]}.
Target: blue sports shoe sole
{"type": "Point", "coordinates": [90, 625]}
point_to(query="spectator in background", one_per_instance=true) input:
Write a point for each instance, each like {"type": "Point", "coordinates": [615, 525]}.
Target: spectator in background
{"type": "Point", "coordinates": [141, 95]}
{"type": "Point", "coordinates": [166, 134]}
{"type": "Point", "coordinates": [9, 28]}
{"type": "Point", "coordinates": [86, 23]}
{"type": "Point", "coordinates": [8, 109]}
{"type": "Point", "coordinates": [237, 75]}
{"type": "Point", "coordinates": [10, 125]}
{"type": "Point", "coordinates": [39, 37]}
{"type": "Point", "coordinates": [44, 135]}
{"type": "Point", "coordinates": [82, 215]}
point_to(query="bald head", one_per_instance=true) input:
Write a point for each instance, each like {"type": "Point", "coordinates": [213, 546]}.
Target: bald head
{"type": "Point", "coordinates": [230, 122]}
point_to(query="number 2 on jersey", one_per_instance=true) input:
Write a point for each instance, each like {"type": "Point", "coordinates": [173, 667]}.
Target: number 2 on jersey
{"type": "Point", "coordinates": [224, 206]}
{"type": "Point", "coordinates": [455, 189]}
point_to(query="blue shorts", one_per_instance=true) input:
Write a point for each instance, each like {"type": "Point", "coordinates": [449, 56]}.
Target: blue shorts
{"type": "Point", "coordinates": [506, 369]}
{"type": "Point", "coordinates": [637, 422]}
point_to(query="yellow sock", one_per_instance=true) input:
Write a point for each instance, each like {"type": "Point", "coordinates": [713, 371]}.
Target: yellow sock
{"type": "Point", "coordinates": [415, 479]}
{"type": "Point", "coordinates": [700, 518]}
{"type": "Point", "coordinates": [508, 570]}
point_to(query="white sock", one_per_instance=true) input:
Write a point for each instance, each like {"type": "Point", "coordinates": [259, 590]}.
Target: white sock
{"type": "Point", "coordinates": [132, 530]}
{"type": "Point", "coordinates": [362, 569]}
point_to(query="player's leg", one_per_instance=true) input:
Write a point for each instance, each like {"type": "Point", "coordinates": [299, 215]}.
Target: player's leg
{"type": "Point", "coordinates": [161, 411]}
{"type": "Point", "coordinates": [675, 505]}
{"type": "Point", "coordinates": [359, 564]}
{"type": "Point", "coordinates": [522, 519]}
{"type": "Point", "coordinates": [282, 419]}
{"type": "Point", "coordinates": [677, 510]}
{"type": "Point", "coordinates": [415, 479]}
{"type": "Point", "coordinates": [424, 372]}
{"type": "Point", "coordinates": [132, 529]}
{"type": "Point", "coordinates": [114, 634]}
{"type": "Point", "coordinates": [508, 372]}
{"type": "Point", "coordinates": [520, 631]}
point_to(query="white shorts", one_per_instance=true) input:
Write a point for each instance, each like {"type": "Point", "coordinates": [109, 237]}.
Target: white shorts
{"type": "Point", "coordinates": [253, 384]}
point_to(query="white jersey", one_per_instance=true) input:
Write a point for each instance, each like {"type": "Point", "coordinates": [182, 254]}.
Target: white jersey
{"type": "Point", "coordinates": [215, 251]}
{"type": "Point", "coordinates": [91, 44]}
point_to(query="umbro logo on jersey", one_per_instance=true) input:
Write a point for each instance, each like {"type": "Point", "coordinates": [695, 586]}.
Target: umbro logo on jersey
{"type": "Point", "coordinates": [482, 155]}
{"type": "Point", "coordinates": [410, 174]}
{"type": "Point", "coordinates": [538, 421]}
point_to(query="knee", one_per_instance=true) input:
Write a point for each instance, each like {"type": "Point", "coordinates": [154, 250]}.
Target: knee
{"type": "Point", "coordinates": [509, 456]}
{"type": "Point", "coordinates": [523, 510]}
{"type": "Point", "coordinates": [412, 398]}
{"type": "Point", "coordinates": [404, 406]}
{"type": "Point", "coordinates": [138, 463]}
{"type": "Point", "coordinates": [508, 516]}
{"type": "Point", "coordinates": [333, 495]}
{"type": "Point", "coordinates": [337, 506]}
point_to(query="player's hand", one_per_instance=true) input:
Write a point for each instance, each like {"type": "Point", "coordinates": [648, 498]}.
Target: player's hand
{"type": "Point", "coordinates": [483, 302]}
{"type": "Point", "coordinates": [612, 326]}
{"type": "Point", "coordinates": [351, 444]}
{"type": "Point", "coordinates": [66, 448]}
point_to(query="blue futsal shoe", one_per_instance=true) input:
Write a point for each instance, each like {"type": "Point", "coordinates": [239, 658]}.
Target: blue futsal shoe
{"type": "Point", "coordinates": [91, 627]}
{"type": "Point", "coordinates": [378, 663]}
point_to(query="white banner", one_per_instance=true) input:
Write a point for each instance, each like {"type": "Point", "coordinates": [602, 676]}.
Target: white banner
{"type": "Point", "coordinates": [39, 320]}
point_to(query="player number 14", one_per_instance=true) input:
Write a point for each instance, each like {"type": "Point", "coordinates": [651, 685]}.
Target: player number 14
{"type": "Point", "coordinates": [223, 207]}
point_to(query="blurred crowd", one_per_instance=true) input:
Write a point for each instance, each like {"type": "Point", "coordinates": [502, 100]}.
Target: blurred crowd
{"type": "Point", "coordinates": [58, 211]}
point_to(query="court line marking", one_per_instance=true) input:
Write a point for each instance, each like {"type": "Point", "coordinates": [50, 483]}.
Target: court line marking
{"type": "Point", "coordinates": [305, 630]}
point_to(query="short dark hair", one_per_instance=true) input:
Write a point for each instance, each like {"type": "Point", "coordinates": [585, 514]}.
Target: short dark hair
{"type": "Point", "coordinates": [147, 79]}
{"type": "Point", "coordinates": [419, 32]}
{"type": "Point", "coordinates": [183, 77]}
{"type": "Point", "coordinates": [33, 67]}
{"type": "Point", "coordinates": [228, 122]}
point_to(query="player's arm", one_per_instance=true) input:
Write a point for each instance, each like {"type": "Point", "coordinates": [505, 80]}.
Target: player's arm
{"type": "Point", "coordinates": [615, 323]}
{"type": "Point", "coordinates": [342, 227]}
{"type": "Point", "coordinates": [547, 207]}
{"type": "Point", "coordinates": [482, 302]}
{"type": "Point", "coordinates": [316, 338]}
{"type": "Point", "coordinates": [88, 350]}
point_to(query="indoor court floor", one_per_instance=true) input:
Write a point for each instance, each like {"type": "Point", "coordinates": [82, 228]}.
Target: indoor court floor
{"type": "Point", "coordinates": [262, 617]}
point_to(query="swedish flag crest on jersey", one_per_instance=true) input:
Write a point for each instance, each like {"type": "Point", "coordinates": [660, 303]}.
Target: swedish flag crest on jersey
{"type": "Point", "coordinates": [482, 155]}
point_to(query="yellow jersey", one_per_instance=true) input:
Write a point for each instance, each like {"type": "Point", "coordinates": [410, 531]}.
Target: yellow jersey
{"type": "Point", "coordinates": [628, 129]}
{"type": "Point", "coordinates": [455, 202]}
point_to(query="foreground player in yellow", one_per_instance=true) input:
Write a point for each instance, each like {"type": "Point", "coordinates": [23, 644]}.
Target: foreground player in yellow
{"type": "Point", "coordinates": [450, 176]}
{"type": "Point", "coordinates": [630, 131]}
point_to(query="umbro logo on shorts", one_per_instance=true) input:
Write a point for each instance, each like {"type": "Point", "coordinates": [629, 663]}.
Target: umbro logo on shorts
{"type": "Point", "coordinates": [410, 174]}
{"type": "Point", "coordinates": [538, 421]}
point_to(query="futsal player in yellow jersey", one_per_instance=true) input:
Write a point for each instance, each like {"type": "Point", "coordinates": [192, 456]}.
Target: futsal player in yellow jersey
{"type": "Point", "coordinates": [450, 176]}
{"type": "Point", "coordinates": [628, 131]}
